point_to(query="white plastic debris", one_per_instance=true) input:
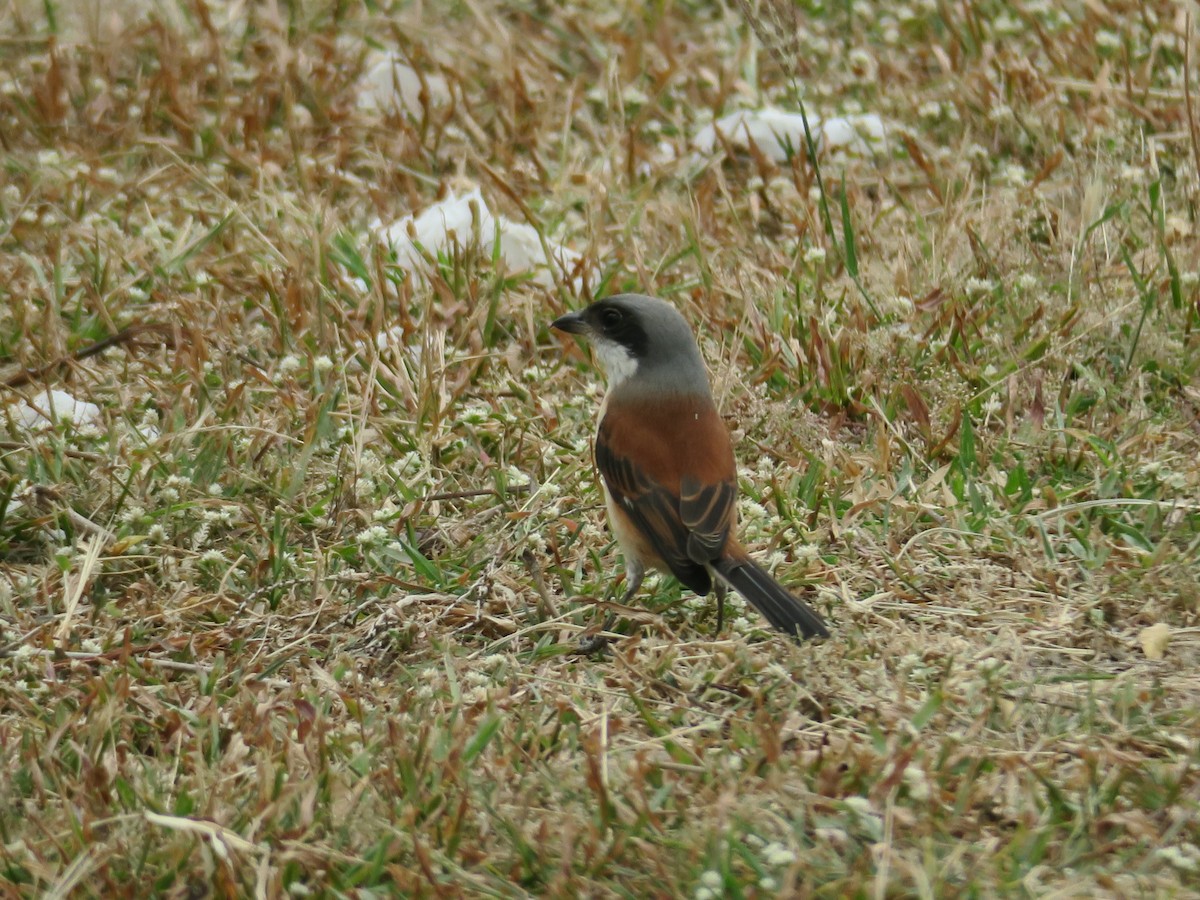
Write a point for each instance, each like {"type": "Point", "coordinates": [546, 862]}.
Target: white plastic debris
{"type": "Point", "coordinates": [54, 406]}
{"type": "Point", "coordinates": [465, 220]}
{"type": "Point", "coordinates": [773, 132]}
{"type": "Point", "coordinates": [861, 134]}
{"type": "Point", "coordinates": [390, 338]}
{"type": "Point", "coordinates": [389, 83]}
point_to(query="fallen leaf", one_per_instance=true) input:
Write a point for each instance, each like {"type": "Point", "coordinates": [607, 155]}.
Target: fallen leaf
{"type": "Point", "coordinates": [1154, 640]}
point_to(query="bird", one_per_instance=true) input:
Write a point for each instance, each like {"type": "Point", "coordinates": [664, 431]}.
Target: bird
{"type": "Point", "coordinates": [666, 462]}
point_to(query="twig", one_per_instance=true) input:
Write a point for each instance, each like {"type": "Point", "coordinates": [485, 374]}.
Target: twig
{"type": "Point", "coordinates": [1187, 89]}
{"type": "Point", "coordinates": [76, 583]}
{"type": "Point", "coordinates": [480, 492]}
{"type": "Point", "coordinates": [50, 500]}
{"type": "Point", "coordinates": [124, 336]}
{"type": "Point", "coordinates": [545, 603]}
{"type": "Point", "coordinates": [65, 451]}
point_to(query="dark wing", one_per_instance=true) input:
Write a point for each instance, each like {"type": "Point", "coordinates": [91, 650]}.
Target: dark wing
{"type": "Point", "coordinates": [681, 495]}
{"type": "Point", "coordinates": [706, 511]}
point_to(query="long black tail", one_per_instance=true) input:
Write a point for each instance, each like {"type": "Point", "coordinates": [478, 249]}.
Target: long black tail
{"type": "Point", "coordinates": [771, 598]}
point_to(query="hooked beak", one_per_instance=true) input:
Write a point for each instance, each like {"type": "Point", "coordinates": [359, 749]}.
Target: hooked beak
{"type": "Point", "coordinates": [572, 323]}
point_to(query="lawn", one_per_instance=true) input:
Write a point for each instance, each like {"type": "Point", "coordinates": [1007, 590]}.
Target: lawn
{"type": "Point", "coordinates": [294, 565]}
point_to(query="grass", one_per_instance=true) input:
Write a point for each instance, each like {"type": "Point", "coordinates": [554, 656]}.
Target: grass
{"type": "Point", "coordinates": [297, 614]}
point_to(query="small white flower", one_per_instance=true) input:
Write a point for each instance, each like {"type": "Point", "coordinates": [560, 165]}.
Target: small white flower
{"type": "Point", "coordinates": [478, 694]}
{"type": "Point", "coordinates": [376, 534]}
{"type": "Point", "coordinates": [1001, 112]}
{"type": "Point", "coordinates": [1014, 175]}
{"type": "Point", "coordinates": [1185, 857]}
{"type": "Point", "coordinates": [977, 153]}
{"type": "Point", "coordinates": [917, 783]}
{"type": "Point", "coordinates": [814, 255]}
{"type": "Point", "coordinates": [385, 512]}
{"type": "Point", "coordinates": [200, 537]}
{"type": "Point", "coordinates": [978, 286]}
{"type": "Point", "coordinates": [476, 414]}
{"type": "Point", "coordinates": [753, 510]}
{"type": "Point", "coordinates": [1006, 24]}
{"type": "Point", "coordinates": [631, 96]}
{"type": "Point", "coordinates": [712, 880]}
{"type": "Point", "coordinates": [775, 854]}
{"type": "Point", "coordinates": [322, 364]}
{"type": "Point", "coordinates": [862, 63]}
{"type": "Point", "coordinates": [860, 806]}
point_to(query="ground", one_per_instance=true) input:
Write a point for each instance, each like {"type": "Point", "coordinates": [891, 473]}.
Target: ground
{"type": "Point", "coordinates": [293, 609]}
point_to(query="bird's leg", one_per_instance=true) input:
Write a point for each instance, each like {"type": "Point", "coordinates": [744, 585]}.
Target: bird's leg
{"type": "Point", "coordinates": [720, 606]}
{"type": "Point", "coordinates": [634, 573]}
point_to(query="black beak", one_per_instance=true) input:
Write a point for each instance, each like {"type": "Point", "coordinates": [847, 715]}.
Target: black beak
{"type": "Point", "coordinates": [572, 323]}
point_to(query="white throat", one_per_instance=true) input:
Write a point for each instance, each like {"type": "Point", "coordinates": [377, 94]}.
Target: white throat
{"type": "Point", "coordinates": [619, 364]}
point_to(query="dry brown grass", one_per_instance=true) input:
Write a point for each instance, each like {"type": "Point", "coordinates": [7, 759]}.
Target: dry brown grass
{"type": "Point", "coordinates": [297, 616]}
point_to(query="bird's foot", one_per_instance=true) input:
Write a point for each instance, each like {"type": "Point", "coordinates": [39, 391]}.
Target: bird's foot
{"type": "Point", "coordinates": [593, 644]}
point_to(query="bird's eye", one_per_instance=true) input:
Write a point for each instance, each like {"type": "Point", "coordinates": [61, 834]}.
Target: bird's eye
{"type": "Point", "coordinates": [611, 318]}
